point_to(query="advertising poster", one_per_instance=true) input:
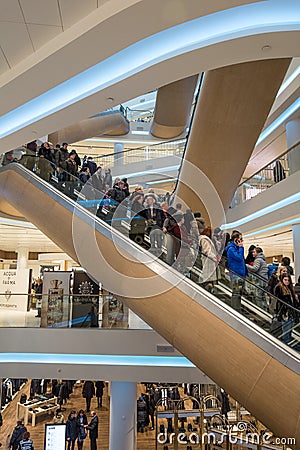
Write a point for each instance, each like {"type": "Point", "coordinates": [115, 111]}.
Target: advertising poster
{"type": "Point", "coordinates": [55, 299]}
{"type": "Point", "coordinates": [55, 437]}
{"type": "Point", "coordinates": [14, 281]}
{"type": "Point", "coordinates": [114, 311]}
{"type": "Point", "coordinates": [85, 308]}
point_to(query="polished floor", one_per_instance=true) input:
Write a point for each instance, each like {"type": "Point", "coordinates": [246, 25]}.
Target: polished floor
{"type": "Point", "coordinates": [145, 441]}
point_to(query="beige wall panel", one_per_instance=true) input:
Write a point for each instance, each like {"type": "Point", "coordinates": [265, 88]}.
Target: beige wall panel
{"type": "Point", "coordinates": [233, 106]}
{"type": "Point", "coordinates": [173, 107]}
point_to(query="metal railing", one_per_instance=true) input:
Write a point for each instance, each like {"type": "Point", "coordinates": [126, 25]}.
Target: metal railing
{"type": "Point", "coordinates": [274, 172]}
{"type": "Point", "coordinates": [144, 153]}
{"type": "Point", "coordinates": [68, 310]}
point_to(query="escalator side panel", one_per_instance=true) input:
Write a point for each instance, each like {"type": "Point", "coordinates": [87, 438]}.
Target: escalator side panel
{"type": "Point", "coordinates": [265, 386]}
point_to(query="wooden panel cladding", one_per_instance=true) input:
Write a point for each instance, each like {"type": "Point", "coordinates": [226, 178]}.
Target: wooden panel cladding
{"type": "Point", "coordinates": [113, 124]}
{"type": "Point", "coordinates": [233, 106]}
{"type": "Point", "coordinates": [173, 107]}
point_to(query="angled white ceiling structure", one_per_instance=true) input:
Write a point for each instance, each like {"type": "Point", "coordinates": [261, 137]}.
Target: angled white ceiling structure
{"type": "Point", "coordinates": [64, 60]}
{"type": "Point", "coordinates": [125, 48]}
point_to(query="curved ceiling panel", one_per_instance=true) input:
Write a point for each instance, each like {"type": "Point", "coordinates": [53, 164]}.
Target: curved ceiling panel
{"type": "Point", "coordinates": [112, 124]}
{"type": "Point", "coordinates": [173, 107]}
{"type": "Point", "coordinates": [214, 40]}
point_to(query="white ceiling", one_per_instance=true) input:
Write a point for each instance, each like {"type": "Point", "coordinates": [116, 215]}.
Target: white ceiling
{"type": "Point", "coordinates": [15, 234]}
{"type": "Point", "coordinates": [27, 25]}
{"type": "Point", "coordinates": [41, 41]}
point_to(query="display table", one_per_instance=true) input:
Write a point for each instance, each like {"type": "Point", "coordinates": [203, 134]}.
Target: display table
{"type": "Point", "coordinates": [35, 408]}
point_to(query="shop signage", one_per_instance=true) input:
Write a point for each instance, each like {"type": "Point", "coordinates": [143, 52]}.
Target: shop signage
{"type": "Point", "coordinates": [12, 282]}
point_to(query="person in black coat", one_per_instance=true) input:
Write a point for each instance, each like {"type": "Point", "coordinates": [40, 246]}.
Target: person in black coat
{"type": "Point", "coordinates": [17, 435]}
{"type": "Point", "coordinates": [88, 393]}
{"type": "Point", "coordinates": [71, 430]}
{"type": "Point", "coordinates": [100, 385]}
{"type": "Point", "coordinates": [93, 429]}
{"type": "Point", "coordinates": [81, 431]}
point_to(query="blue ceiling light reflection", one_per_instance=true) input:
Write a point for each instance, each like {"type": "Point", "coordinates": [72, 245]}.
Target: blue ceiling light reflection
{"type": "Point", "coordinates": [109, 360]}
{"type": "Point", "coordinates": [257, 18]}
{"type": "Point", "coordinates": [279, 121]}
{"type": "Point", "coordinates": [289, 80]}
{"type": "Point", "coordinates": [262, 212]}
{"type": "Point", "coordinates": [274, 227]}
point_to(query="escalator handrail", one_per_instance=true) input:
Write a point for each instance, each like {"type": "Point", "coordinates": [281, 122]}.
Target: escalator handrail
{"type": "Point", "coordinates": [201, 254]}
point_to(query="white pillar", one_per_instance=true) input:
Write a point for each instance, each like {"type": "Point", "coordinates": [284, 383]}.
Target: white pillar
{"type": "Point", "coordinates": [118, 147]}
{"type": "Point", "coordinates": [292, 137]}
{"type": "Point", "coordinates": [22, 262]}
{"type": "Point", "coordinates": [296, 242]}
{"type": "Point", "coordinates": [122, 429]}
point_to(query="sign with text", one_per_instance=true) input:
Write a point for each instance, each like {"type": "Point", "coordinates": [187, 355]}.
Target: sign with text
{"type": "Point", "coordinates": [12, 282]}
{"type": "Point", "coordinates": [55, 437]}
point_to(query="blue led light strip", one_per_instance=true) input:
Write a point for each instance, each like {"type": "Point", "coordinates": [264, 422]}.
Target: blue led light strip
{"type": "Point", "coordinates": [279, 121]}
{"type": "Point", "coordinates": [262, 212]}
{"type": "Point", "coordinates": [110, 360]}
{"type": "Point", "coordinates": [274, 227]}
{"type": "Point", "coordinates": [245, 20]}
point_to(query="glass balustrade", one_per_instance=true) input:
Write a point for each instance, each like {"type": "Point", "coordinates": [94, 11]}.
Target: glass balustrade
{"type": "Point", "coordinates": [145, 153]}
{"type": "Point", "coordinates": [276, 171]}
{"type": "Point", "coordinates": [248, 296]}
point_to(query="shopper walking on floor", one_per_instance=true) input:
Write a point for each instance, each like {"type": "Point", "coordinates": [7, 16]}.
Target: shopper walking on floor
{"type": "Point", "coordinates": [81, 431]}
{"type": "Point", "coordinates": [88, 393]}
{"type": "Point", "coordinates": [17, 435]}
{"type": "Point", "coordinates": [26, 443]}
{"type": "Point", "coordinates": [71, 431]}
{"type": "Point", "coordinates": [100, 385]}
{"type": "Point", "coordinates": [93, 429]}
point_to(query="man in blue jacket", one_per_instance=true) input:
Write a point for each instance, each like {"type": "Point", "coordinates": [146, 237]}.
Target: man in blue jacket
{"type": "Point", "coordinates": [237, 267]}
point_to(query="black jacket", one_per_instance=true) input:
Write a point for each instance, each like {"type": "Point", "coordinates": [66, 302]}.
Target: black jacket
{"type": "Point", "coordinates": [17, 436]}
{"type": "Point", "coordinates": [282, 309]}
{"type": "Point", "coordinates": [93, 427]}
{"type": "Point", "coordinates": [99, 388]}
{"type": "Point", "coordinates": [117, 194]}
{"type": "Point", "coordinates": [60, 156]}
{"type": "Point", "coordinates": [71, 428]}
{"type": "Point", "coordinates": [88, 390]}
{"type": "Point", "coordinates": [157, 216]}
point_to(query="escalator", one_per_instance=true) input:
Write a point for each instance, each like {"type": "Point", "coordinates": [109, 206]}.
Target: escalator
{"type": "Point", "coordinates": [234, 348]}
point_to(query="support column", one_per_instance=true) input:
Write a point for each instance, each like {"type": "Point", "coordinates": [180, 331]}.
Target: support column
{"type": "Point", "coordinates": [118, 158]}
{"type": "Point", "coordinates": [122, 429]}
{"type": "Point", "coordinates": [296, 242]}
{"type": "Point", "coordinates": [292, 137]}
{"type": "Point", "coordinates": [22, 262]}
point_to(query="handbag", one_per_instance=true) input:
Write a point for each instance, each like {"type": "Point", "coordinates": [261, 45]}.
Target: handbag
{"type": "Point", "coordinates": [82, 435]}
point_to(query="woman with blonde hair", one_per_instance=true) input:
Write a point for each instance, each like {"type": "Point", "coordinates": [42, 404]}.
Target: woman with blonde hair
{"type": "Point", "coordinates": [274, 278]}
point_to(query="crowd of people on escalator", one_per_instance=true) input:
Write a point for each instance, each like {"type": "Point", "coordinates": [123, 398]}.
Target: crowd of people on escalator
{"type": "Point", "coordinates": [181, 238]}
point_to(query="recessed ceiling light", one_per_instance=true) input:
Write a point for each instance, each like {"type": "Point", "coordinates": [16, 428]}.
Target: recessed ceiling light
{"type": "Point", "coordinates": [266, 48]}
{"type": "Point", "coordinates": [110, 99]}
